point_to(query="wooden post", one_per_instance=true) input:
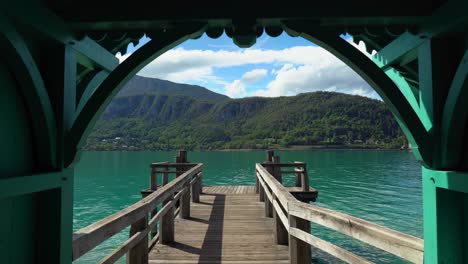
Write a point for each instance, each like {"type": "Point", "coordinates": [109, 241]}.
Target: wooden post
{"type": "Point", "coordinates": [277, 170]}
{"type": "Point", "coordinates": [305, 179]}
{"type": "Point", "coordinates": [298, 175]}
{"type": "Point", "coordinates": [139, 253]}
{"type": "Point", "coordinates": [257, 183]}
{"type": "Point", "coordinates": [269, 155]}
{"type": "Point", "coordinates": [166, 226]}
{"type": "Point", "coordinates": [280, 232]}
{"type": "Point", "coordinates": [181, 158]}
{"type": "Point", "coordinates": [261, 192]}
{"type": "Point", "coordinates": [153, 187]}
{"type": "Point", "coordinates": [153, 183]}
{"type": "Point", "coordinates": [200, 183]}
{"type": "Point", "coordinates": [185, 204]}
{"type": "Point", "coordinates": [299, 251]}
{"type": "Point", "coordinates": [268, 207]}
{"type": "Point", "coordinates": [196, 190]}
{"type": "Point", "coordinates": [165, 176]}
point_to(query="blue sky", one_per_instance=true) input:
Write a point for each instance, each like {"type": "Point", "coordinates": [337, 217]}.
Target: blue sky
{"type": "Point", "coordinates": [280, 66]}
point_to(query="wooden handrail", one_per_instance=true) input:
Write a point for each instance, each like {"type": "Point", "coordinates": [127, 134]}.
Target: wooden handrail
{"type": "Point", "coordinates": [89, 237]}
{"type": "Point", "coordinates": [172, 165]}
{"type": "Point", "coordinates": [283, 165]}
{"type": "Point", "coordinates": [405, 246]}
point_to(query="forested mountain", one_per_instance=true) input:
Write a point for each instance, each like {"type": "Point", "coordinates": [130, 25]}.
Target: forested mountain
{"type": "Point", "coordinates": [142, 85]}
{"type": "Point", "coordinates": [193, 117]}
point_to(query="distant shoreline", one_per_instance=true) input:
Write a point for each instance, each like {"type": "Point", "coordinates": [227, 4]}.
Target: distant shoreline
{"type": "Point", "coordinates": [292, 148]}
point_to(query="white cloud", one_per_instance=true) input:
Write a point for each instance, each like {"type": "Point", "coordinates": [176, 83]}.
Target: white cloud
{"type": "Point", "coordinates": [254, 75]}
{"type": "Point", "coordinates": [235, 89]}
{"type": "Point", "coordinates": [298, 69]}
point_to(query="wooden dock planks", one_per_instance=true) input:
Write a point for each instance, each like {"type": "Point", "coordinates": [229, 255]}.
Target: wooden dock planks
{"type": "Point", "coordinates": [227, 226]}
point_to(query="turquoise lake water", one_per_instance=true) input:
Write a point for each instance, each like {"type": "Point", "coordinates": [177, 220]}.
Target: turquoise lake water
{"type": "Point", "coordinates": [380, 186]}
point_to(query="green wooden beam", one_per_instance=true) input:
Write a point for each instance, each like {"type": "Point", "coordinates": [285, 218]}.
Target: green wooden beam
{"type": "Point", "coordinates": [60, 79]}
{"type": "Point", "coordinates": [449, 18]}
{"type": "Point", "coordinates": [455, 116]}
{"type": "Point", "coordinates": [438, 58]}
{"type": "Point", "coordinates": [30, 184]}
{"type": "Point", "coordinates": [399, 52]}
{"type": "Point", "coordinates": [382, 84]}
{"type": "Point", "coordinates": [444, 201]}
{"type": "Point", "coordinates": [96, 53]}
{"type": "Point", "coordinates": [19, 58]}
{"type": "Point", "coordinates": [49, 24]}
{"type": "Point", "coordinates": [88, 87]}
{"type": "Point", "coordinates": [102, 96]}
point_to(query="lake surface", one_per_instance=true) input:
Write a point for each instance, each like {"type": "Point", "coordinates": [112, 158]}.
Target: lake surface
{"type": "Point", "coordinates": [380, 186]}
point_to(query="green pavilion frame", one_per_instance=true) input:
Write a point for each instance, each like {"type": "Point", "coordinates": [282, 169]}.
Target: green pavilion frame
{"type": "Point", "coordinates": [58, 72]}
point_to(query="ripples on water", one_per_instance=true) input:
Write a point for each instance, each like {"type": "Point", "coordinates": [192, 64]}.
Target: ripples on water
{"type": "Point", "coordinates": [380, 186]}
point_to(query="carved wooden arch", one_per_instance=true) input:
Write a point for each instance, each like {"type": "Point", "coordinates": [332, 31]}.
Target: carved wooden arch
{"type": "Point", "coordinates": [160, 42]}
{"type": "Point", "coordinates": [455, 117]}
{"type": "Point", "coordinates": [19, 58]}
{"type": "Point", "coordinates": [400, 106]}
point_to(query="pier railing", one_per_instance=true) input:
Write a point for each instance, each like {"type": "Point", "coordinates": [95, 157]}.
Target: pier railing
{"type": "Point", "coordinates": [292, 220]}
{"type": "Point", "coordinates": [144, 216]}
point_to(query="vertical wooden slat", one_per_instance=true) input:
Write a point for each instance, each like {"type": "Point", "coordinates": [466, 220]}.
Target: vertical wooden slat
{"type": "Point", "coordinates": [268, 207]}
{"type": "Point", "coordinates": [279, 231]}
{"type": "Point", "coordinates": [139, 253]}
{"type": "Point", "coordinates": [185, 204]}
{"type": "Point", "coordinates": [165, 176]}
{"type": "Point", "coordinates": [269, 155]}
{"type": "Point", "coordinates": [299, 251]}
{"type": "Point", "coordinates": [305, 179]}
{"type": "Point", "coordinates": [166, 226]}
{"type": "Point", "coordinates": [298, 175]}
{"type": "Point", "coordinates": [277, 170]}
{"type": "Point", "coordinates": [153, 184]}
{"type": "Point", "coordinates": [200, 183]}
{"type": "Point", "coordinates": [256, 185]}
{"type": "Point", "coordinates": [261, 192]}
{"type": "Point", "coordinates": [196, 190]}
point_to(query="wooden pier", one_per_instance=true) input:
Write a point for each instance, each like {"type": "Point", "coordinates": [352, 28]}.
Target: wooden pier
{"type": "Point", "coordinates": [182, 221]}
{"type": "Point", "coordinates": [226, 226]}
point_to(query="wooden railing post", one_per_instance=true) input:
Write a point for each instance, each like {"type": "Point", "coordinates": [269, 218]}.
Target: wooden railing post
{"type": "Point", "coordinates": [196, 189]}
{"type": "Point", "coordinates": [153, 183]}
{"type": "Point", "coordinates": [166, 226]}
{"type": "Point", "coordinates": [299, 251]}
{"type": "Point", "coordinates": [268, 207]}
{"type": "Point", "coordinates": [277, 170]}
{"type": "Point", "coordinates": [257, 183]}
{"type": "Point", "coordinates": [304, 179]}
{"type": "Point", "coordinates": [298, 175]}
{"type": "Point", "coordinates": [261, 193]}
{"type": "Point", "coordinates": [280, 232]}
{"type": "Point", "coordinates": [269, 155]}
{"type": "Point", "coordinates": [139, 253]}
{"type": "Point", "coordinates": [165, 176]}
{"type": "Point", "coordinates": [200, 183]}
{"type": "Point", "coordinates": [185, 203]}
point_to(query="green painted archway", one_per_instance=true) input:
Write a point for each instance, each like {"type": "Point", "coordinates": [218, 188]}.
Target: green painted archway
{"type": "Point", "coordinates": [58, 72]}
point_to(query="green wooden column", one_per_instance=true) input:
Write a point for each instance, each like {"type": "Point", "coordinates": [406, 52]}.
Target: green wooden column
{"type": "Point", "coordinates": [443, 69]}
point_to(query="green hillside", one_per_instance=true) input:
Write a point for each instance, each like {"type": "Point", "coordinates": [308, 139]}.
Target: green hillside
{"type": "Point", "coordinates": [154, 121]}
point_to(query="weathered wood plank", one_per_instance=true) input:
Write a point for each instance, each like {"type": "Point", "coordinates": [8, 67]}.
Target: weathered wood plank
{"type": "Point", "coordinates": [279, 190]}
{"type": "Point", "coordinates": [402, 245]}
{"type": "Point", "coordinates": [138, 253]}
{"type": "Point", "coordinates": [89, 237]}
{"type": "Point", "coordinates": [328, 247]}
{"type": "Point", "coordinates": [223, 228]}
{"type": "Point", "coordinates": [124, 248]}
